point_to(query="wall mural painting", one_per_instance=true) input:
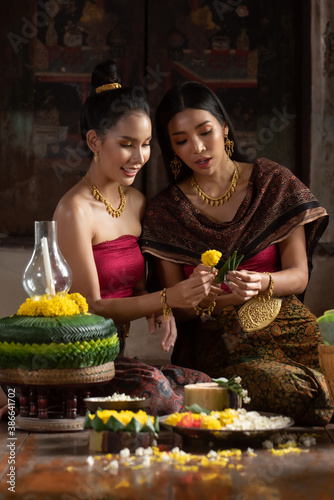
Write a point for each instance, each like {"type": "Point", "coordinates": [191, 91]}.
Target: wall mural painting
{"type": "Point", "coordinates": [244, 50]}
{"type": "Point", "coordinates": [78, 37]}
{"type": "Point", "coordinates": [50, 51]}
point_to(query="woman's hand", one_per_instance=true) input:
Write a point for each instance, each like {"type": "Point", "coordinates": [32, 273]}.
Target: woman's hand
{"type": "Point", "coordinates": [201, 268]}
{"type": "Point", "coordinates": [190, 292]}
{"type": "Point", "coordinates": [246, 284]}
{"type": "Point", "coordinates": [169, 331]}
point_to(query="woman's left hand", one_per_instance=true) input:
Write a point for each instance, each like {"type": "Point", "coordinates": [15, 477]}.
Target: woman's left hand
{"type": "Point", "coordinates": [245, 284]}
{"type": "Point", "coordinates": [169, 331]}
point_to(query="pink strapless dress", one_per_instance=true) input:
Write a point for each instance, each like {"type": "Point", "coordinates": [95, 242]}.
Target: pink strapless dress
{"type": "Point", "coordinates": [120, 265]}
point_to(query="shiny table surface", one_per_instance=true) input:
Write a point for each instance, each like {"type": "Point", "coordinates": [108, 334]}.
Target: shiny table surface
{"type": "Point", "coordinates": [54, 466]}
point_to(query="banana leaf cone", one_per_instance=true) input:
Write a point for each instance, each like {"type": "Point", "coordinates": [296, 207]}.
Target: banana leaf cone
{"type": "Point", "coordinates": [77, 341]}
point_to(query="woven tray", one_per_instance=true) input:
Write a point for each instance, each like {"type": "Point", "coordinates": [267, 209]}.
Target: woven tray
{"type": "Point", "coordinates": [76, 376]}
{"type": "Point", "coordinates": [49, 425]}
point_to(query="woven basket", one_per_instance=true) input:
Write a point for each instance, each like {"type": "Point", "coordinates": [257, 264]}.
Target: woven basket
{"type": "Point", "coordinates": [75, 376]}
{"type": "Point", "coordinates": [326, 359]}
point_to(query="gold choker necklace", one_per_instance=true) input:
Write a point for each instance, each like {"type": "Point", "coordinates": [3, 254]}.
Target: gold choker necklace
{"type": "Point", "coordinates": [222, 199]}
{"type": "Point", "coordinates": [99, 196]}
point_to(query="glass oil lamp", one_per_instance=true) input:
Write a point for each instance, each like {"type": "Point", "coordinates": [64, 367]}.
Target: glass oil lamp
{"type": "Point", "coordinates": [47, 271]}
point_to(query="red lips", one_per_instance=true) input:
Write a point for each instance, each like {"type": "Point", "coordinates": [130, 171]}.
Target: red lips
{"type": "Point", "coordinates": [203, 162]}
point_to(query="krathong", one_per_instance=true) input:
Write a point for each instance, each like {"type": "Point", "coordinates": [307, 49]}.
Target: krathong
{"type": "Point", "coordinates": [121, 421]}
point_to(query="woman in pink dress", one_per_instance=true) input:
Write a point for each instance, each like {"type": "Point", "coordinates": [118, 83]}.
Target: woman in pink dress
{"type": "Point", "coordinates": [99, 223]}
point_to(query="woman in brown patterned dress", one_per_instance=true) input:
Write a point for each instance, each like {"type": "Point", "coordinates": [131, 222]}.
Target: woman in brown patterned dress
{"type": "Point", "coordinates": [255, 326]}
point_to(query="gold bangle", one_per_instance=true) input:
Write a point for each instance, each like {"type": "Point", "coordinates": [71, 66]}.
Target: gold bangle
{"type": "Point", "coordinates": [165, 307]}
{"type": "Point", "coordinates": [265, 296]}
{"type": "Point", "coordinates": [202, 311]}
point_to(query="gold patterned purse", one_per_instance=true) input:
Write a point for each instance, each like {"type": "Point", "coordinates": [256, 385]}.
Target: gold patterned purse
{"type": "Point", "coordinates": [261, 310]}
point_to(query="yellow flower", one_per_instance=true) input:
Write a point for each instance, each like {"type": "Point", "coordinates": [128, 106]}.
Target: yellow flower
{"type": "Point", "coordinates": [227, 416]}
{"type": "Point", "coordinates": [174, 418]}
{"type": "Point", "coordinates": [80, 301]}
{"type": "Point", "coordinates": [124, 416]}
{"type": "Point", "coordinates": [210, 423]}
{"type": "Point", "coordinates": [59, 305]}
{"type": "Point", "coordinates": [217, 420]}
{"type": "Point", "coordinates": [285, 451]}
{"type": "Point", "coordinates": [211, 257]}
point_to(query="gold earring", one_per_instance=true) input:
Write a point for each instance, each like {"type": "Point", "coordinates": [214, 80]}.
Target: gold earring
{"type": "Point", "coordinates": [229, 146]}
{"type": "Point", "coordinates": [96, 156]}
{"type": "Point", "coordinates": [176, 165]}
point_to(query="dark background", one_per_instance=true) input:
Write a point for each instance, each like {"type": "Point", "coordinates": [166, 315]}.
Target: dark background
{"type": "Point", "coordinates": [253, 53]}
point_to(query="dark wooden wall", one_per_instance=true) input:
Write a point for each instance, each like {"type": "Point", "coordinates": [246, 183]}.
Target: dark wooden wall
{"type": "Point", "coordinates": [250, 52]}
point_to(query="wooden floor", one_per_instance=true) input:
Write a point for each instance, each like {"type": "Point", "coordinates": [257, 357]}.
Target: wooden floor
{"type": "Point", "coordinates": [51, 466]}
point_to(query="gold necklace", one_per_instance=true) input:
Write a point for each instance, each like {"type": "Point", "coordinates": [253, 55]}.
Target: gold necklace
{"type": "Point", "coordinates": [99, 196]}
{"type": "Point", "coordinates": [222, 199]}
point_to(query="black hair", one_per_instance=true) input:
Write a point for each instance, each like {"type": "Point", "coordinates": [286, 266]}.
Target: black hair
{"type": "Point", "coordinates": [101, 111]}
{"type": "Point", "coordinates": [193, 95]}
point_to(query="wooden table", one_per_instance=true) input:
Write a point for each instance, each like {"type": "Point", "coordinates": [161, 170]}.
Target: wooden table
{"type": "Point", "coordinates": [54, 466]}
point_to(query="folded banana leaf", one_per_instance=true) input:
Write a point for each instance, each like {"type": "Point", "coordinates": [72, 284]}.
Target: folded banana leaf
{"type": "Point", "coordinates": [60, 356]}
{"type": "Point", "coordinates": [115, 425]}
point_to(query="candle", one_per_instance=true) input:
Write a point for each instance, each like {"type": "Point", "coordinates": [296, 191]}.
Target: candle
{"type": "Point", "coordinates": [50, 288]}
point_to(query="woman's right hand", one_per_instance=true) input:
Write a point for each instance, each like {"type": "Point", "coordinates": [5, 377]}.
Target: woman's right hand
{"type": "Point", "coordinates": [190, 292]}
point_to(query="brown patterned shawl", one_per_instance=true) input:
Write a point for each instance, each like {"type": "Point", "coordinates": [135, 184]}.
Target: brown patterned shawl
{"type": "Point", "coordinates": [276, 203]}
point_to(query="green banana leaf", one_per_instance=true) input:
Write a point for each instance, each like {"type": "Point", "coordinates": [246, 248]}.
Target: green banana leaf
{"type": "Point", "coordinates": [195, 408]}
{"type": "Point", "coordinates": [88, 421]}
{"type": "Point", "coordinates": [231, 264]}
{"type": "Point", "coordinates": [134, 426]}
{"type": "Point", "coordinates": [149, 426]}
{"type": "Point", "coordinates": [60, 356]}
{"type": "Point", "coordinates": [114, 424]}
{"type": "Point", "coordinates": [98, 424]}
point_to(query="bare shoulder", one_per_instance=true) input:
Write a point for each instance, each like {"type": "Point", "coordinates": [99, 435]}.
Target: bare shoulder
{"type": "Point", "coordinates": [135, 198]}
{"type": "Point", "coordinates": [74, 204]}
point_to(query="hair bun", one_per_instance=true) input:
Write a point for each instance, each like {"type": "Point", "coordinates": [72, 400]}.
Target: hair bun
{"type": "Point", "coordinates": [104, 73]}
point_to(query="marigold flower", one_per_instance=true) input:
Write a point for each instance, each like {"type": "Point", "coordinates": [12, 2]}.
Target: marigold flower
{"type": "Point", "coordinates": [59, 305]}
{"type": "Point", "coordinates": [124, 416]}
{"type": "Point", "coordinates": [216, 420]}
{"type": "Point", "coordinates": [211, 257]}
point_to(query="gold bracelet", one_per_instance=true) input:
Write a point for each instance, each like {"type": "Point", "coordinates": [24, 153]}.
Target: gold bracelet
{"type": "Point", "coordinates": [202, 311]}
{"type": "Point", "coordinates": [165, 307]}
{"type": "Point", "coordinates": [265, 296]}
